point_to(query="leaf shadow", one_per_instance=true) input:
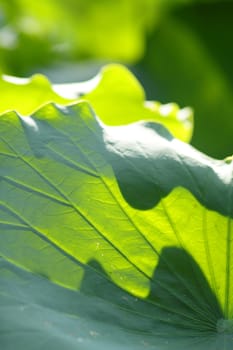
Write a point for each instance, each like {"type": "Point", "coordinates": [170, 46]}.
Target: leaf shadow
{"type": "Point", "coordinates": [179, 300]}
{"type": "Point", "coordinates": [179, 283]}
{"type": "Point", "coordinates": [149, 165]}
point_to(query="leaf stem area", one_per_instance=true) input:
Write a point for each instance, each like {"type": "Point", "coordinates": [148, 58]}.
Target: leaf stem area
{"type": "Point", "coordinates": [225, 326]}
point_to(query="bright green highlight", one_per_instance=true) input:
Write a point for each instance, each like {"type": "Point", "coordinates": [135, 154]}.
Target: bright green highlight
{"type": "Point", "coordinates": [25, 96]}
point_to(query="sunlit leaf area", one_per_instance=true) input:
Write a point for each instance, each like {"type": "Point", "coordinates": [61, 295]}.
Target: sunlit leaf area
{"type": "Point", "coordinates": [116, 175]}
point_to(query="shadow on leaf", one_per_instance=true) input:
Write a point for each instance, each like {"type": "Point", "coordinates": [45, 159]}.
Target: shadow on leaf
{"type": "Point", "coordinates": [180, 298]}
{"type": "Point", "coordinates": [149, 163]}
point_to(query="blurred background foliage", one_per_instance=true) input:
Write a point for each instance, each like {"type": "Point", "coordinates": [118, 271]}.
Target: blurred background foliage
{"type": "Point", "coordinates": [181, 51]}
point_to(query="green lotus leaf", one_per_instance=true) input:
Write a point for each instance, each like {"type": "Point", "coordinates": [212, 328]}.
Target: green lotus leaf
{"type": "Point", "coordinates": [115, 94]}
{"type": "Point", "coordinates": [111, 236]}
{"type": "Point", "coordinates": [26, 95]}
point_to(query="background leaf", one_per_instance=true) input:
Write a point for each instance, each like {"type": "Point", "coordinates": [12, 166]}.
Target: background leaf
{"type": "Point", "coordinates": [103, 29]}
{"type": "Point", "coordinates": [115, 94]}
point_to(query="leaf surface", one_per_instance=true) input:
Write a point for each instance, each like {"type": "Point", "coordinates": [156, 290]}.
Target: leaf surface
{"type": "Point", "coordinates": [111, 236]}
